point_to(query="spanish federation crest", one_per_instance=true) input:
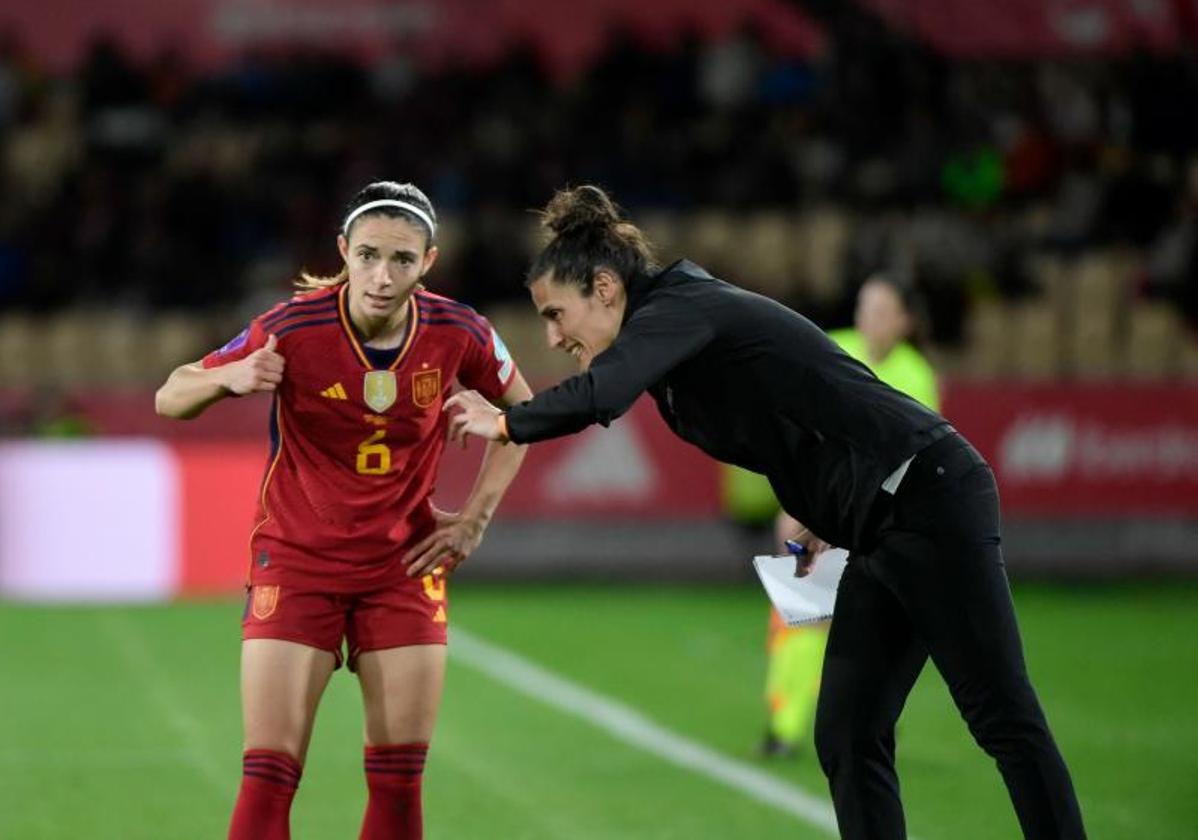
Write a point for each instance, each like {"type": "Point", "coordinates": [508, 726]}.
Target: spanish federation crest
{"type": "Point", "coordinates": [426, 386]}
{"type": "Point", "coordinates": [266, 598]}
{"type": "Point", "coordinates": [378, 389]}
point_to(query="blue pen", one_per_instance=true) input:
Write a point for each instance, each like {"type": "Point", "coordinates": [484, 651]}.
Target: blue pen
{"type": "Point", "coordinates": [796, 548]}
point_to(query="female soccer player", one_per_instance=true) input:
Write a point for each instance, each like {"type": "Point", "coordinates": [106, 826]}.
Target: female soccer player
{"type": "Point", "coordinates": [867, 468]}
{"type": "Point", "coordinates": [347, 543]}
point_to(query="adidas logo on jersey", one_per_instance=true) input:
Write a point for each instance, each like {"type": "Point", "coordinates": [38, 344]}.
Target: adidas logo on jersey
{"type": "Point", "coordinates": [335, 392]}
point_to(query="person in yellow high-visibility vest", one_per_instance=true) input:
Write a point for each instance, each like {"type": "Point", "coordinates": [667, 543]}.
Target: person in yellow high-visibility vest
{"type": "Point", "coordinates": [886, 319]}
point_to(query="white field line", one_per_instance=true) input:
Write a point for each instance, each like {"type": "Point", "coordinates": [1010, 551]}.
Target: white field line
{"type": "Point", "coordinates": [158, 688]}
{"type": "Point", "coordinates": [627, 725]}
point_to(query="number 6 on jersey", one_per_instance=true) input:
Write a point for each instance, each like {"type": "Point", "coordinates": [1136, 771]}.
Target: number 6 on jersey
{"type": "Point", "coordinates": [374, 458]}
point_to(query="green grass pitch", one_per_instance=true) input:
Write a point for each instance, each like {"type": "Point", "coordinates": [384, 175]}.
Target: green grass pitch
{"type": "Point", "coordinates": [123, 723]}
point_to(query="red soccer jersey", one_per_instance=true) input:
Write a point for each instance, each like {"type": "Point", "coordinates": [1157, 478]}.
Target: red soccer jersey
{"type": "Point", "coordinates": [354, 447]}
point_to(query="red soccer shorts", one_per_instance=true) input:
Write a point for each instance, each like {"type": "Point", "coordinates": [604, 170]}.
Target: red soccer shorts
{"type": "Point", "coordinates": [412, 612]}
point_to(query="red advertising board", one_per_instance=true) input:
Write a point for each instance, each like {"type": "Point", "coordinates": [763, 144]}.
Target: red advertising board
{"type": "Point", "coordinates": [1096, 450]}
{"type": "Point", "coordinates": [217, 493]}
{"type": "Point", "coordinates": [159, 517]}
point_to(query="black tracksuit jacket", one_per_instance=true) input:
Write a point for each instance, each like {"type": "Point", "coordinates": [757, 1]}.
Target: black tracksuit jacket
{"type": "Point", "coordinates": [751, 383]}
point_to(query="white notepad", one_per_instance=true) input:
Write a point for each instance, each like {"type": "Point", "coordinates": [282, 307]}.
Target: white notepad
{"type": "Point", "coordinates": [802, 600]}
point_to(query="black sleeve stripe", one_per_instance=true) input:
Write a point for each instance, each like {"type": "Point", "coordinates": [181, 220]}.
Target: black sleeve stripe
{"type": "Point", "coordinates": [300, 324]}
{"type": "Point", "coordinates": [466, 314]}
{"type": "Point", "coordinates": [303, 307]}
{"type": "Point", "coordinates": [287, 323]}
{"type": "Point", "coordinates": [446, 303]}
{"type": "Point", "coordinates": [474, 329]}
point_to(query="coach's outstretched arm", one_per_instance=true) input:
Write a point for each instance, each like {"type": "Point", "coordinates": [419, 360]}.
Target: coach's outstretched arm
{"type": "Point", "coordinates": [659, 336]}
{"type": "Point", "coordinates": [191, 388]}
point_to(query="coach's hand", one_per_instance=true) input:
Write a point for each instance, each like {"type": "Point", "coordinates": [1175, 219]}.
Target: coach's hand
{"type": "Point", "coordinates": [806, 547]}
{"type": "Point", "coordinates": [454, 540]}
{"type": "Point", "coordinates": [261, 370]}
{"type": "Point", "coordinates": [476, 416]}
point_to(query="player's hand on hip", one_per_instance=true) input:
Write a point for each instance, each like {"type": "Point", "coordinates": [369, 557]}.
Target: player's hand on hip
{"type": "Point", "coordinates": [261, 370]}
{"type": "Point", "coordinates": [454, 539]}
{"type": "Point", "coordinates": [475, 416]}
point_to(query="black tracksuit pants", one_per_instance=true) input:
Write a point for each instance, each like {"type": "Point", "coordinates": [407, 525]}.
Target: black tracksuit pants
{"type": "Point", "coordinates": [934, 584]}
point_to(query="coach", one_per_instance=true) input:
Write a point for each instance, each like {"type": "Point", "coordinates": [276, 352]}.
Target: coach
{"type": "Point", "coordinates": [862, 466]}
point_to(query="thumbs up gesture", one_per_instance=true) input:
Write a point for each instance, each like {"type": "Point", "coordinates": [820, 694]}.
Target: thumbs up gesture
{"type": "Point", "coordinates": [261, 370]}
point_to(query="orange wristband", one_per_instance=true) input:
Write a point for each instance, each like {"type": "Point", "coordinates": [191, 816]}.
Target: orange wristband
{"type": "Point", "coordinates": [504, 437]}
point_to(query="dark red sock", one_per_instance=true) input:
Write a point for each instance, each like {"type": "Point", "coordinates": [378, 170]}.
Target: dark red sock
{"type": "Point", "coordinates": [268, 783]}
{"type": "Point", "coordinates": [393, 776]}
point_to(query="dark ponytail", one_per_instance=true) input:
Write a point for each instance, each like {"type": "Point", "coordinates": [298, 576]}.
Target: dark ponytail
{"type": "Point", "coordinates": [588, 234]}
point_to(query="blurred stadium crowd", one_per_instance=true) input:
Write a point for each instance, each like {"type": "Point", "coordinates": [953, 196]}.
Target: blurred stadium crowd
{"type": "Point", "coordinates": [1048, 209]}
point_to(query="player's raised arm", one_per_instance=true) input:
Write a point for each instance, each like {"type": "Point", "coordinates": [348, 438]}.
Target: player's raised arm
{"type": "Point", "coordinates": [191, 388]}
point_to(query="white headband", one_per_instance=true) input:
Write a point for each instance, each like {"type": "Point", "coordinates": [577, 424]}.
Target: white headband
{"type": "Point", "coordinates": [391, 202]}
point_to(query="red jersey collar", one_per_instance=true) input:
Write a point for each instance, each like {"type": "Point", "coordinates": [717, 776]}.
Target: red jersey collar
{"type": "Point", "coordinates": [352, 335]}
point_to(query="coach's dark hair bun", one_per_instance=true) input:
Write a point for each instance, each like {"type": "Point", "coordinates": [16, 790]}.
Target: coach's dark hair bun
{"type": "Point", "coordinates": [579, 208]}
{"type": "Point", "coordinates": [587, 233]}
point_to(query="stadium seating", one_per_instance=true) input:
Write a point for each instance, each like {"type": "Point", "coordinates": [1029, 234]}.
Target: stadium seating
{"type": "Point", "coordinates": [1081, 320]}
